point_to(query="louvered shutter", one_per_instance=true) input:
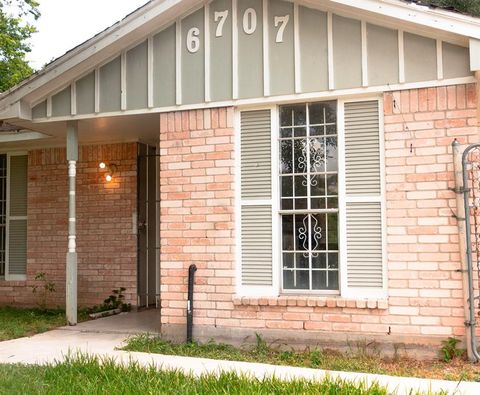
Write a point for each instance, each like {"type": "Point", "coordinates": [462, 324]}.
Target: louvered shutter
{"type": "Point", "coordinates": [364, 224]}
{"type": "Point", "coordinates": [17, 226]}
{"type": "Point", "coordinates": [256, 198]}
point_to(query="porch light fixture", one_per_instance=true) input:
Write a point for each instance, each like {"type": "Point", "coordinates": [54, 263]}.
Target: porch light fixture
{"type": "Point", "coordinates": [111, 169]}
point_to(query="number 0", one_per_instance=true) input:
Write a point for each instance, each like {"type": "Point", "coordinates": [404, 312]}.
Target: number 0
{"type": "Point", "coordinates": [249, 21]}
{"type": "Point", "coordinates": [193, 42]}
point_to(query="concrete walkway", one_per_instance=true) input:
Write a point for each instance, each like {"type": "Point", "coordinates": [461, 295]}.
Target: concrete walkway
{"type": "Point", "coordinates": [52, 346]}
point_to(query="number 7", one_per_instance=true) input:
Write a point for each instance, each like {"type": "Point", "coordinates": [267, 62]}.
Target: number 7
{"type": "Point", "coordinates": [282, 21]}
{"type": "Point", "coordinates": [220, 17]}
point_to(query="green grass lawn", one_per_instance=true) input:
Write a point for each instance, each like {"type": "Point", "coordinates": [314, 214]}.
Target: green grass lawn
{"type": "Point", "coordinates": [361, 360]}
{"type": "Point", "coordinates": [16, 322]}
{"type": "Point", "coordinates": [19, 322]}
{"type": "Point", "coordinates": [86, 375]}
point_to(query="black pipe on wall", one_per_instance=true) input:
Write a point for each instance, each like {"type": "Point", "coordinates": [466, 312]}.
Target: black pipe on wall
{"type": "Point", "coordinates": [191, 279]}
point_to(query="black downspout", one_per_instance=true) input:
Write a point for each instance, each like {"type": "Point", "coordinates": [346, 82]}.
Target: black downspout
{"type": "Point", "coordinates": [191, 279]}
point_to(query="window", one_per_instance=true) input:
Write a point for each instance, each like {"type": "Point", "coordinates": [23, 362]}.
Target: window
{"type": "Point", "coordinates": [309, 196]}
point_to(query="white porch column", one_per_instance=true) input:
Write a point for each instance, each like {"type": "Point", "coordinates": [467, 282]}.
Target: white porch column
{"type": "Point", "coordinates": [71, 268]}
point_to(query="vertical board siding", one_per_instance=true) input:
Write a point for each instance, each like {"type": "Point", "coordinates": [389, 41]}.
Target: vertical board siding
{"type": "Point", "coordinates": [193, 64]}
{"type": "Point", "coordinates": [347, 52]}
{"type": "Point", "coordinates": [257, 245]}
{"type": "Point", "coordinates": [420, 58]}
{"type": "Point", "coordinates": [247, 59]}
{"type": "Point", "coordinates": [164, 68]}
{"type": "Point", "coordinates": [250, 52]}
{"type": "Point", "coordinates": [282, 58]}
{"type": "Point", "coordinates": [40, 110]}
{"type": "Point", "coordinates": [455, 61]}
{"type": "Point", "coordinates": [362, 148]}
{"type": "Point", "coordinates": [85, 94]}
{"type": "Point", "coordinates": [364, 245]}
{"type": "Point", "coordinates": [137, 77]}
{"type": "Point", "coordinates": [221, 53]}
{"type": "Point", "coordinates": [256, 161]}
{"type": "Point", "coordinates": [61, 103]}
{"type": "Point", "coordinates": [110, 86]}
{"type": "Point", "coordinates": [313, 50]}
{"type": "Point", "coordinates": [382, 50]}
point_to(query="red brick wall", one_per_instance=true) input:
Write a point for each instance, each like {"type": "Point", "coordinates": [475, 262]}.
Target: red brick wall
{"type": "Point", "coordinates": [425, 291]}
{"type": "Point", "coordinates": [423, 252]}
{"type": "Point", "coordinates": [197, 214]}
{"type": "Point", "coordinates": [105, 241]}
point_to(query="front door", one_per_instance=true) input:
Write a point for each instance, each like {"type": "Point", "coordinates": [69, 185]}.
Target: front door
{"type": "Point", "coordinates": [148, 241]}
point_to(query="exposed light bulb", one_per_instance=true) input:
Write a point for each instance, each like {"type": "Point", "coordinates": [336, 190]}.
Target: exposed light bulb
{"type": "Point", "coordinates": [108, 177]}
{"type": "Point", "coordinates": [102, 165]}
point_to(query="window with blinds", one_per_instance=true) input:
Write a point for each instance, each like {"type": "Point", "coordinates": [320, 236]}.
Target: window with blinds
{"type": "Point", "coordinates": [314, 223]}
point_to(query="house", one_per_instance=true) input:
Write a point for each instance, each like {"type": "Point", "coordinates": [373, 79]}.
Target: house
{"type": "Point", "coordinates": [297, 152]}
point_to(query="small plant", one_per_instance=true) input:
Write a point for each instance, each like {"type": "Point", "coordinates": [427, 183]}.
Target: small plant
{"type": "Point", "coordinates": [115, 301]}
{"type": "Point", "coordinates": [286, 356]}
{"type": "Point", "coordinates": [450, 349]}
{"type": "Point", "coordinates": [261, 347]}
{"type": "Point", "coordinates": [315, 358]}
{"type": "Point", "coordinates": [46, 288]}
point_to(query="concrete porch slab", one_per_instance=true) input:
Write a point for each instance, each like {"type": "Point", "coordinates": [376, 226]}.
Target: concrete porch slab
{"type": "Point", "coordinates": [145, 321]}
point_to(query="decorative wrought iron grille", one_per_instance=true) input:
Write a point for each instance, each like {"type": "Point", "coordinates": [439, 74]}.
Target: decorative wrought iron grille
{"type": "Point", "coordinates": [309, 196]}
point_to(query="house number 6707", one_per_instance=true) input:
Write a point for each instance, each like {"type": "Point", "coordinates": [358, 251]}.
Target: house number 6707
{"type": "Point", "coordinates": [249, 25]}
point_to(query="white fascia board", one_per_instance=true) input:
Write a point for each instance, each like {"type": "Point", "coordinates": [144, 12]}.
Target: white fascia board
{"type": "Point", "coordinates": [474, 54]}
{"type": "Point", "coordinates": [421, 15]}
{"type": "Point", "coordinates": [16, 110]}
{"type": "Point", "coordinates": [79, 60]}
{"type": "Point", "coordinates": [22, 136]}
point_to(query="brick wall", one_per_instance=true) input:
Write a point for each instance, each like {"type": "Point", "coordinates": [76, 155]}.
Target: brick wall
{"type": "Point", "coordinates": [197, 213]}
{"type": "Point", "coordinates": [423, 252]}
{"type": "Point", "coordinates": [425, 291]}
{"type": "Point", "coordinates": [105, 241]}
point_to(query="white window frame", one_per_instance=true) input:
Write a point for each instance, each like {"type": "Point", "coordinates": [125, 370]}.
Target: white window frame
{"type": "Point", "coordinates": [278, 228]}
{"type": "Point", "coordinates": [8, 276]}
{"type": "Point", "coordinates": [275, 289]}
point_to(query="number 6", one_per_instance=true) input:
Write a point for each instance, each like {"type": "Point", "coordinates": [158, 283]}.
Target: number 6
{"type": "Point", "coordinates": [282, 21]}
{"type": "Point", "coordinates": [193, 42]}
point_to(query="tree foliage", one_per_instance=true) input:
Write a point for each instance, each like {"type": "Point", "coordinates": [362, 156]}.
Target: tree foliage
{"type": "Point", "coordinates": [15, 31]}
{"type": "Point", "coordinates": [471, 7]}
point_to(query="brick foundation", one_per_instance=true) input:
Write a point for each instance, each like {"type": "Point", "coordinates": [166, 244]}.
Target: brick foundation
{"type": "Point", "coordinates": [425, 302]}
{"type": "Point", "coordinates": [106, 245]}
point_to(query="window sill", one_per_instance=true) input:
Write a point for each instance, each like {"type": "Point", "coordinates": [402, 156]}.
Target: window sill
{"type": "Point", "coordinates": [319, 301]}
